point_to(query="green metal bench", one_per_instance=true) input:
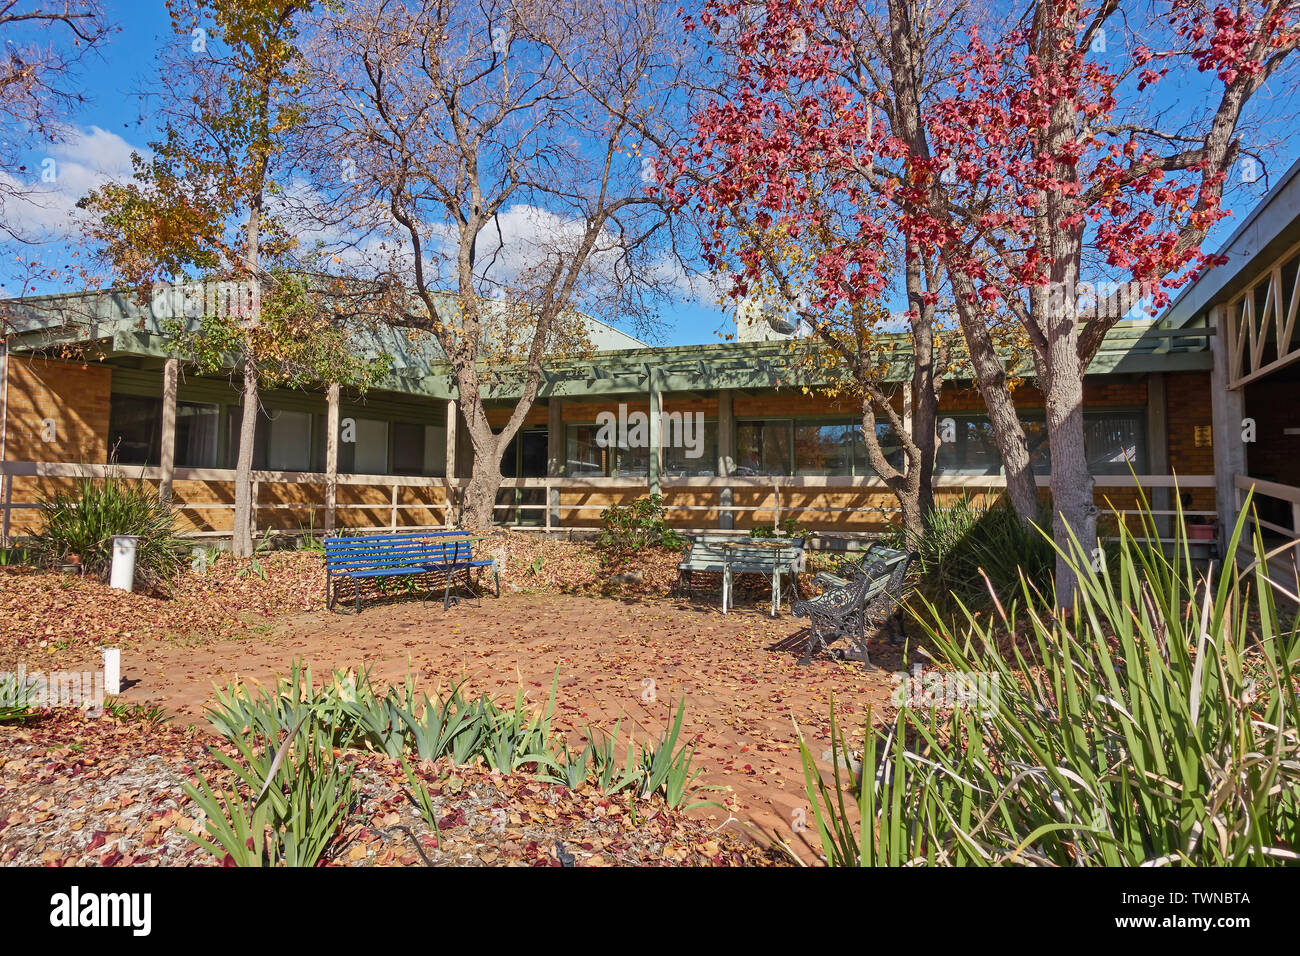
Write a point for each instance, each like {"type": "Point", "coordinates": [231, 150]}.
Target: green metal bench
{"type": "Point", "coordinates": [854, 608]}
{"type": "Point", "coordinates": [730, 555]}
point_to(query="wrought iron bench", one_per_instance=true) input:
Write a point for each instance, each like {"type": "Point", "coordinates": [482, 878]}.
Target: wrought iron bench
{"type": "Point", "coordinates": [729, 556]}
{"type": "Point", "coordinates": [856, 608]}
{"type": "Point", "coordinates": [388, 555]}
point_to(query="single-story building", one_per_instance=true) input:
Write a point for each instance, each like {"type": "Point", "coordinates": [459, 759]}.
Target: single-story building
{"type": "Point", "coordinates": [89, 380]}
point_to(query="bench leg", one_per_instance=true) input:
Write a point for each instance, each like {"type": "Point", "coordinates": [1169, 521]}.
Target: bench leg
{"type": "Point", "coordinates": [776, 592]}
{"type": "Point", "coordinates": [329, 592]}
{"type": "Point", "coordinates": [446, 590]}
{"type": "Point", "coordinates": [726, 588]}
{"type": "Point", "coordinates": [496, 581]}
{"type": "Point", "coordinates": [356, 587]}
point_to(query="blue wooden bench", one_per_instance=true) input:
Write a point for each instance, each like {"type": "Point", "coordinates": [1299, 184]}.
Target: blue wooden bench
{"type": "Point", "coordinates": [390, 555]}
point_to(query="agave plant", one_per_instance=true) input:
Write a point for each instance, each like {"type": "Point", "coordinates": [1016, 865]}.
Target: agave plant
{"type": "Point", "coordinates": [1153, 723]}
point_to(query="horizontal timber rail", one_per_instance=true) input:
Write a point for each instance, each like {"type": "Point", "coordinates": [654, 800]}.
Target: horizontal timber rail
{"type": "Point", "coordinates": [396, 502]}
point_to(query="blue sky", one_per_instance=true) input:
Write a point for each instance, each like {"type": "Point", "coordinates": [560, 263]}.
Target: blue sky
{"type": "Point", "coordinates": [111, 124]}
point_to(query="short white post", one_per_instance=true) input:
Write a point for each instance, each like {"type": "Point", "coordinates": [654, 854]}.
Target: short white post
{"type": "Point", "coordinates": [112, 671]}
{"type": "Point", "coordinates": [123, 573]}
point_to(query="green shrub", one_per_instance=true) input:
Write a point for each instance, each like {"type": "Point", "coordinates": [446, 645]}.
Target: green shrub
{"type": "Point", "coordinates": [634, 527]}
{"type": "Point", "coordinates": [1156, 722]}
{"type": "Point", "coordinates": [962, 543]}
{"type": "Point", "coordinates": [83, 523]}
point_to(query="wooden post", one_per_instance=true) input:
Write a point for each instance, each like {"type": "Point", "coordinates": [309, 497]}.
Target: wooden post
{"type": "Point", "coordinates": [449, 512]}
{"type": "Point", "coordinates": [8, 502]}
{"type": "Point", "coordinates": [726, 463]}
{"type": "Point", "coordinates": [252, 510]}
{"type": "Point", "coordinates": [1295, 529]}
{"type": "Point", "coordinates": [332, 459]}
{"type": "Point", "coordinates": [170, 373]}
{"type": "Point", "coordinates": [393, 513]}
{"type": "Point", "coordinates": [1157, 462]}
{"type": "Point", "coordinates": [555, 458]}
{"type": "Point", "coordinates": [656, 436]}
{"type": "Point", "coordinates": [1228, 408]}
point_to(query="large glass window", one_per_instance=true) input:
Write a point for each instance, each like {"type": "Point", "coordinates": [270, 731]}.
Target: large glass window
{"type": "Point", "coordinates": [419, 449]}
{"type": "Point", "coordinates": [196, 434]}
{"type": "Point", "coordinates": [583, 457]}
{"type": "Point", "coordinates": [135, 429]}
{"type": "Point", "coordinates": [678, 460]}
{"type": "Point", "coordinates": [1112, 440]}
{"type": "Point", "coordinates": [367, 453]}
{"type": "Point", "coordinates": [966, 446]}
{"type": "Point", "coordinates": [764, 448]}
{"type": "Point", "coordinates": [822, 448]}
{"type": "Point", "coordinates": [288, 446]}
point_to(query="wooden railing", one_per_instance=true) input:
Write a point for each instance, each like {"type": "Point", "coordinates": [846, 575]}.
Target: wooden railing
{"type": "Point", "coordinates": [767, 499]}
{"type": "Point", "coordinates": [1287, 495]}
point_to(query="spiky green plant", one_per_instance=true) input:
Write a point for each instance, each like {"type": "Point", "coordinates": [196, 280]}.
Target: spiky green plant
{"type": "Point", "coordinates": [290, 797]}
{"type": "Point", "coordinates": [1153, 723]}
{"type": "Point", "coordinates": [83, 522]}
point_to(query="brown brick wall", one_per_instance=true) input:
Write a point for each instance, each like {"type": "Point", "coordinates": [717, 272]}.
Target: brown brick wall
{"type": "Point", "coordinates": [1187, 403]}
{"type": "Point", "coordinates": [75, 396]}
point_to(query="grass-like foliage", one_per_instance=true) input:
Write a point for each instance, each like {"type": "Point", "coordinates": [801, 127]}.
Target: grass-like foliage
{"type": "Point", "coordinates": [291, 796]}
{"type": "Point", "coordinates": [83, 522]}
{"type": "Point", "coordinates": [1153, 723]}
{"type": "Point", "coordinates": [967, 553]}
{"type": "Point", "coordinates": [292, 733]}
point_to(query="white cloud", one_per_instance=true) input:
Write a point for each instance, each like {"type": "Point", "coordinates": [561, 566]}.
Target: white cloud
{"type": "Point", "coordinates": [42, 205]}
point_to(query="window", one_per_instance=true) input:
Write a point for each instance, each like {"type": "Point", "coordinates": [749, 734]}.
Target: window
{"type": "Point", "coordinates": [825, 449]}
{"type": "Point", "coordinates": [583, 457]}
{"type": "Point", "coordinates": [679, 464]}
{"type": "Point", "coordinates": [288, 446]}
{"type": "Point", "coordinates": [967, 447]}
{"type": "Point", "coordinates": [196, 434]}
{"type": "Point", "coordinates": [763, 448]}
{"type": "Point", "coordinates": [367, 454]}
{"type": "Point", "coordinates": [419, 449]}
{"type": "Point", "coordinates": [1112, 440]}
{"type": "Point", "coordinates": [135, 429]}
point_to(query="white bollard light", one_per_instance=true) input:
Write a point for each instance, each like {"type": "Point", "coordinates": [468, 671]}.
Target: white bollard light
{"type": "Point", "coordinates": [122, 576]}
{"type": "Point", "coordinates": [112, 671]}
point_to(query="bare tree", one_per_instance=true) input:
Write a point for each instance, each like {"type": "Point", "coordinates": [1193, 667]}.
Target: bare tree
{"type": "Point", "coordinates": [484, 177]}
{"type": "Point", "coordinates": [43, 44]}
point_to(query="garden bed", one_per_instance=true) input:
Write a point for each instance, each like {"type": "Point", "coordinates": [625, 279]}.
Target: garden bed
{"type": "Point", "coordinates": [76, 791]}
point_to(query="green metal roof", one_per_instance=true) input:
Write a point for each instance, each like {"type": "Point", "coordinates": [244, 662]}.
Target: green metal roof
{"type": "Point", "coordinates": [121, 328]}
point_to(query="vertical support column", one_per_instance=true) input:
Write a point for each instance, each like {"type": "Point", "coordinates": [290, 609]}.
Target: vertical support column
{"type": "Point", "coordinates": [656, 436]}
{"type": "Point", "coordinates": [332, 459]}
{"type": "Point", "coordinates": [449, 471]}
{"type": "Point", "coordinates": [8, 491]}
{"type": "Point", "coordinates": [1229, 409]}
{"type": "Point", "coordinates": [555, 455]}
{"type": "Point", "coordinates": [1158, 449]}
{"type": "Point", "coordinates": [171, 369]}
{"type": "Point", "coordinates": [726, 451]}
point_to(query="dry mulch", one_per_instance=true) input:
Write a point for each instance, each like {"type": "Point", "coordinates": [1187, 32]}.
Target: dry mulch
{"type": "Point", "coordinates": [48, 613]}
{"type": "Point", "coordinates": [74, 790]}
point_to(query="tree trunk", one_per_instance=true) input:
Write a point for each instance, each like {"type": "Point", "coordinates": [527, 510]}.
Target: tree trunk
{"type": "Point", "coordinates": [478, 506]}
{"type": "Point", "coordinates": [1073, 508]}
{"type": "Point", "coordinates": [241, 538]}
{"type": "Point", "coordinates": [991, 380]}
